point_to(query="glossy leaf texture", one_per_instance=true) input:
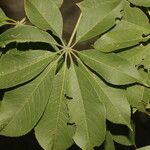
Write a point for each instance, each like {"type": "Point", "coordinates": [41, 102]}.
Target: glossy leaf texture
{"type": "Point", "coordinates": [111, 67]}
{"type": "Point", "coordinates": [98, 16]}
{"type": "Point", "coordinates": [86, 109]}
{"type": "Point", "coordinates": [22, 107]}
{"type": "Point", "coordinates": [45, 15]}
{"type": "Point", "coordinates": [25, 33]}
{"type": "Point", "coordinates": [145, 3]}
{"type": "Point", "coordinates": [18, 67]}
{"type": "Point", "coordinates": [128, 32]}
{"type": "Point", "coordinates": [53, 131]}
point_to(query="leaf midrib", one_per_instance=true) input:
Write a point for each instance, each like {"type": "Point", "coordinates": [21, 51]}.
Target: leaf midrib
{"type": "Point", "coordinates": [83, 35]}
{"type": "Point", "coordinates": [85, 120]}
{"type": "Point", "coordinates": [27, 66]}
{"type": "Point", "coordinates": [59, 106]}
{"type": "Point", "coordinates": [101, 90]}
{"type": "Point", "coordinates": [29, 97]}
{"type": "Point", "coordinates": [107, 65]}
{"type": "Point", "coordinates": [40, 14]}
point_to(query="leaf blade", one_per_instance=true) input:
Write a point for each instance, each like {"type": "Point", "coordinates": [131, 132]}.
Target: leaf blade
{"type": "Point", "coordinates": [25, 33]}
{"type": "Point", "coordinates": [54, 133]}
{"type": "Point", "coordinates": [128, 32]}
{"type": "Point", "coordinates": [22, 107]}
{"type": "Point", "coordinates": [97, 24]}
{"type": "Point", "coordinates": [90, 124]}
{"type": "Point", "coordinates": [19, 67]}
{"type": "Point", "coordinates": [39, 9]}
{"type": "Point", "coordinates": [112, 68]}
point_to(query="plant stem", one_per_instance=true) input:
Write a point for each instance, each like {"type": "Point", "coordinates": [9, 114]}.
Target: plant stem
{"type": "Point", "coordinates": [74, 31]}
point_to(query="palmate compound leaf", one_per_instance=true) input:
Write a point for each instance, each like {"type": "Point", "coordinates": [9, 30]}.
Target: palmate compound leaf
{"type": "Point", "coordinates": [17, 67]}
{"type": "Point", "coordinates": [111, 67]}
{"type": "Point", "coordinates": [145, 3]}
{"type": "Point", "coordinates": [22, 107]}
{"type": "Point", "coordinates": [97, 17]}
{"type": "Point", "coordinates": [25, 33]}
{"type": "Point", "coordinates": [139, 96]}
{"type": "Point", "coordinates": [86, 109]}
{"type": "Point", "coordinates": [136, 55]}
{"type": "Point", "coordinates": [3, 18]}
{"type": "Point", "coordinates": [128, 32]}
{"type": "Point", "coordinates": [45, 15]}
{"type": "Point", "coordinates": [52, 132]}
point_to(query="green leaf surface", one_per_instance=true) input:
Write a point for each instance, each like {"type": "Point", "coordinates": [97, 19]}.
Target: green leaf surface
{"type": "Point", "coordinates": [123, 139]}
{"type": "Point", "coordinates": [139, 96]}
{"type": "Point", "coordinates": [146, 61]}
{"type": "Point", "coordinates": [21, 66]}
{"type": "Point", "coordinates": [116, 104]}
{"type": "Point", "coordinates": [144, 148]}
{"type": "Point", "coordinates": [45, 15]}
{"type": "Point", "coordinates": [52, 132]}
{"type": "Point", "coordinates": [115, 101]}
{"type": "Point", "coordinates": [25, 33]}
{"type": "Point", "coordinates": [111, 67]}
{"type": "Point", "coordinates": [97, 17]}
{"type": "Point", "coordinates": [58, 2]}
{"type": "Point", "coordinates": [22, 107]}
{"type": "Point", "coordinates": [145, 3]}
{"type": "Point", "coordinates": [3, 18]}
{"type": "Point", "coordinates": [136, 55]}
{"type": "Point", "coordinates": [86, 110]}
{"type": "Point", "coordinates": [128, 32]}
{"type": "Point", "coordinates": [109, 144]}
